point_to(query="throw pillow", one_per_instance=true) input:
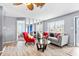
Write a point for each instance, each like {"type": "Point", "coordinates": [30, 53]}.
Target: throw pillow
{"type": "Point", "coordinates": [30, 36]}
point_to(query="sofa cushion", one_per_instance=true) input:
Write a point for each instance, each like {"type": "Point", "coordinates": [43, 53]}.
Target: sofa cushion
{"type": "Point", "coordinates": [53, 39]}
{"type": "Point", "coordinates": [30, 36]}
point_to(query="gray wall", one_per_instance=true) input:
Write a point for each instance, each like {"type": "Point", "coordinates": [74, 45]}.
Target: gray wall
{"type": "Point", "coordinates": [69, 25]}
{"type": "Point", "coordinates": [1, 28]}
{"type": "Point", "coordinates": [20, 18]}
{"type": "Point", "coordinates": [9, 29]}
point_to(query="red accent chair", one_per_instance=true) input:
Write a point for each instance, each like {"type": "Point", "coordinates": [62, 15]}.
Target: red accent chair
{"type": "Point", "coordinates": [27, 38]}
{"type": "Point", "coordinates": [45, 35]}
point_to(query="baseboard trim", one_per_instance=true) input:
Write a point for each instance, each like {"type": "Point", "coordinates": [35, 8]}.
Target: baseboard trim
{"type": "Point", "coordinates": [9, 42]}
{"type": "Point", "coordinates": [71, 45]}
{"type": "Point", "coordinates": [0, 53]}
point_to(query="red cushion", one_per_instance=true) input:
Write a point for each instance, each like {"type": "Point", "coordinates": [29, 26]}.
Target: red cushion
{"type": "Point", "coordinates": [45, 34]}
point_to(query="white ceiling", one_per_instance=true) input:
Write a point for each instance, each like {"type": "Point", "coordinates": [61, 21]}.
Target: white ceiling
{"type": "Point", "coordinates": [50, 10]}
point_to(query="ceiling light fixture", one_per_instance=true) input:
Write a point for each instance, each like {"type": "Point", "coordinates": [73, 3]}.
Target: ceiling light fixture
{"type": "Point", "coordinates": [30, 6]}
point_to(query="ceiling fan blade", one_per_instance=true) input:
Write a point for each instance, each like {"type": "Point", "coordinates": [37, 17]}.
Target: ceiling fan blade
{"type": "Point", "coordinates": [17, 3]}
{"type": "Point", "coordinates": [39, 4]}
{"type": "Point", "coordinates": [30, 6]}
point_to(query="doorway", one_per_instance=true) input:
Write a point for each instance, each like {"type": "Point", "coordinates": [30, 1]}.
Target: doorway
{"type": "Point", "coordinates": [20, 29]}
{"type": "Point", "coordinates": [76, 41]}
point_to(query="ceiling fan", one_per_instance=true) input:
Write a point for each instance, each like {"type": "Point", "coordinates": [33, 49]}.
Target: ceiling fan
{"type": "Point", "coordinates": [30, 6]}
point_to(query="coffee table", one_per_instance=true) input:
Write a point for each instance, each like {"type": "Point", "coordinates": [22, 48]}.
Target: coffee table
{"type": "Point", "coordinates": [42, 44]}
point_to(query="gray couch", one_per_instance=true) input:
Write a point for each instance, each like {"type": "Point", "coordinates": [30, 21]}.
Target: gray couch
{"type": "Point", "coordinates": [60, 42]}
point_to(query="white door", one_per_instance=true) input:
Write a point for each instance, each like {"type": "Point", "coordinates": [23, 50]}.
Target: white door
{"type": "Point", "coordinates": [77, 31]}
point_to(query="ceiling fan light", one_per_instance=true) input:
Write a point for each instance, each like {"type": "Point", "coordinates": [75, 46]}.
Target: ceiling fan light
{"type": "Point", "coordinates": [30, 6]}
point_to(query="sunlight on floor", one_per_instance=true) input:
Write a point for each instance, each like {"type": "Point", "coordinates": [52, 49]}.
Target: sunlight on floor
{"type": "Point", "coordinates": [76, 51]}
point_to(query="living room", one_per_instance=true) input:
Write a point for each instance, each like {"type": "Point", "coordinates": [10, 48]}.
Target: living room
{"type": "Point", "coordinates": [59, 23]}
